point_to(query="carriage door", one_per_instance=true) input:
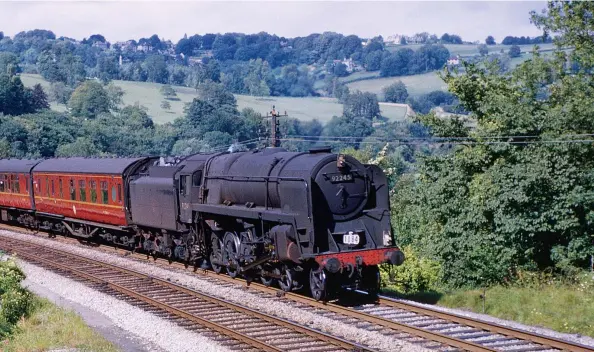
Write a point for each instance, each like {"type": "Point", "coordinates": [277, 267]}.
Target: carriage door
{"type": "Point", "coordinates": [185, 198]}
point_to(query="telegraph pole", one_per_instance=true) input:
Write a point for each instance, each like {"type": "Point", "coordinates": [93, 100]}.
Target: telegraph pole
{"type": "Point", "coordinates": [274, 131]}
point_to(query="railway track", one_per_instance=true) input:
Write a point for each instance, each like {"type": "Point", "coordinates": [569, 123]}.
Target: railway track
{"type": "Point", "coordinates": [236, 327]}
{"type": "Point", "coordinates": [426, 327]}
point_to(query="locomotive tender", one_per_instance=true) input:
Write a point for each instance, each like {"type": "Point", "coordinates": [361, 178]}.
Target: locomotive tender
{"type": "Point", "coordinates": [300, 219]}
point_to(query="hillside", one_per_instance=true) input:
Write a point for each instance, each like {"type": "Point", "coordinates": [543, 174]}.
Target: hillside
{"type": "Point", "coordinates": [424, 83]}
{"type": "Point", "coordinates": [148, 95]}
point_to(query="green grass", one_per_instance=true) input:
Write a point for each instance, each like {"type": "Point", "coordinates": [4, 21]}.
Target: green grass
{"type": "Point", "coordinates": [562, 307]}
{"type": "Point", "coordinates": [427, 82]}
{"type": "Point", "coordinates": [148, 95]}
{"type": "Point", "coordinates": [31, 80]}
{"type": "Point", "coordinates": [416, 84]}
{"type": "Point", "coordinates": [359, 76]}
{"type": "Point", "coordinates": [50, 327]}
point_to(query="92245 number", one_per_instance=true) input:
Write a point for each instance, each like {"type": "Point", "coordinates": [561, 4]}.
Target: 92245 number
{"type": "Point", "coordinates": [341, 178]}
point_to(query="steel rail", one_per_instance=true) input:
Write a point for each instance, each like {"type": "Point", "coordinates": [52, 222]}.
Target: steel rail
{"type": "Point", "coordinates": [211, 325]}
{"type": "Point", "coordinates": [386, 301]}
{"type": "Point", "coordinates": [500, 329]}
{"type": "Point", "coordinates": [217, 327]}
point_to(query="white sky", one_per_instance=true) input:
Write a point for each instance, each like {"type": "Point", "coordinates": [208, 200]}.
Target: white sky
{"type": "Point", "coordinates": [121, 20]}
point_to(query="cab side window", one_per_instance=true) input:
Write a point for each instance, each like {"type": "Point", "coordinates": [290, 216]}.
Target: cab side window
{"type": "Point", "coordinates": [183, 185]}
{"type": "Point", "coordinates": [197, 179]}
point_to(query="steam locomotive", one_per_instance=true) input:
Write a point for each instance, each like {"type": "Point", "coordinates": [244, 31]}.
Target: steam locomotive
{"type": "Point", "coordinates": [298, 220]}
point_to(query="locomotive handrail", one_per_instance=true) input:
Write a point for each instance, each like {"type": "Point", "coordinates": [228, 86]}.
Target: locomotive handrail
{"type": "Point", "coordinates": [266, 179]}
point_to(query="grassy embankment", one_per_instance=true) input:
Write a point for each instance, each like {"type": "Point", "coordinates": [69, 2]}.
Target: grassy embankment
{"type": "Point", "coordinates": [551, 303]}
{"type": "Point", "coordinates": [148, 95]}
{"type": "Point", "coordinates": [50, 327]}
{"type": "Point", "coordinates": [427, 82]}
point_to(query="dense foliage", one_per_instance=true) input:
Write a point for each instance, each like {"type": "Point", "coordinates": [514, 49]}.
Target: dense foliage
{"type": "Point", "coordinates": [511, 40]}
{"type": "Point", "coordinates": [502, 203]}
{"type": "Point", "coordinates": [14, 300]}
{"type": "Point", "coordinates": [16, 99]}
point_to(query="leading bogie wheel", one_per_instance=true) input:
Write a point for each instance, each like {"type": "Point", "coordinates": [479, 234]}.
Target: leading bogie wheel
{"type": "Point", "coordinates": [286, 279]}
{"type": "Point", "coordinates": [317, 283]}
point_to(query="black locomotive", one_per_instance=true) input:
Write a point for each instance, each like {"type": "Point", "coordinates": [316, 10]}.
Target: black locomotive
{"type": "Point", "coordinates": [314, 217]}
{"type": "Point", "coordinates": [300, 219]}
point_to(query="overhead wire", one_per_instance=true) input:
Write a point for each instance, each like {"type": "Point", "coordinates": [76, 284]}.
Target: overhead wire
{"type": "Point", "coordinates": [428, 142]}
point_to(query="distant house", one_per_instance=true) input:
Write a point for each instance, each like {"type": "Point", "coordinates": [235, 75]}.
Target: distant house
{"type": "Point", "coordinates": [395, 39]}
{"type": "Point", "coordinates": [101, 45]}
{"type": "Point", "coordinates": [145, 48]}
{"type": "Point", "coordinates": [454, 60]}
{"type": "Point", "coordinates": [126, 46]}
{"type": "Point", "coordinates": [350, 64]}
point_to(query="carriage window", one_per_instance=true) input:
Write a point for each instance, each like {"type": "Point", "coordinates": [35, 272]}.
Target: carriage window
{"type": "Point", "coordinates": [72, 190]}
{"type": "Point", "coordinates": [197, 179]}
{"type": "Point", "coordinates": [2, 182]}
{"type": "Point", "coordinates": [113, 194]}
{"type": "Point", "coordinates": [9, 183]}
{"type": "Point", "coordinates": [93, 191]}
{"type": "Point", "coordinates": [104, 197]}
{"type": "Point", "coordinates": [26, 184]}
{"type": "Point", "coordinates": [119, 192]}
{"type": "Point", "coordinates": [17, 186]}
{"type": "Point", "coordinates": [46, 186]}
{"type": "Point", "coordinates": [82, 190]}
{"type": "Point", "coordinates": [53, 189]}
{"type": "Point", "coordinates": [60, 189]}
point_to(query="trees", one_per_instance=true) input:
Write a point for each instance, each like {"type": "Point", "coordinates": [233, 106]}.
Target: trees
{"type": "Point", "coordinates": [107, 68]}
{"type": "Point", "coordinates": [406, 61]}
{"type": "Point", "coordinates": [373, 60]}
{"type": "Point", "coordinates": [168, 92]}
{"type": "Point", "coordinates": [514, 51]}
{"type": "Point", "coordinates": [60, 93]}
{"type": "Point", "coordinates": [8, 61]}
{"type": "Point", "coordinates": [450, 39]}
{"type": "Point", "coordinates": [15, 99]}
{"type": "Point", "coordinates": [361, 104]}
{"type": "Point", "coordinates": [483, 50]}
{"type": "Point", "coordinates": [340, 70]}
{"type": "Point", "coordinates": [89, 100]}
{"type": "Point", "coordinates": [115, 94]}
{"type": "Point", "coordinates": [156, 69]}
{"type": "Point", "coordinates": [490, 40]}
{"type": "Point", "coordinates": [345, 126]}
{"type": "Point", "coordinates": [39, 98]}
{"type": "Point", "coordinates": [488, 210]}
{"type": "Point", "coordinates": [511, 40]}
{"type": "Point", "coordinates": [395, 93]}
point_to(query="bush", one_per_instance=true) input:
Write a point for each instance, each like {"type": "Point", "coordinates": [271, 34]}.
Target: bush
{"type": "Point", "coordinates": [14, 300]}
{"type": "Point", "coordinates": [417, 274]}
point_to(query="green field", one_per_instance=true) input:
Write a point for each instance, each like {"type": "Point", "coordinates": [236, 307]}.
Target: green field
{"type": "Point", "coordinates": [148, 95]}
{"type": "Point", "coordinates": [416, 84]}
{"type": "Point", "coordinates": [427, 82]}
